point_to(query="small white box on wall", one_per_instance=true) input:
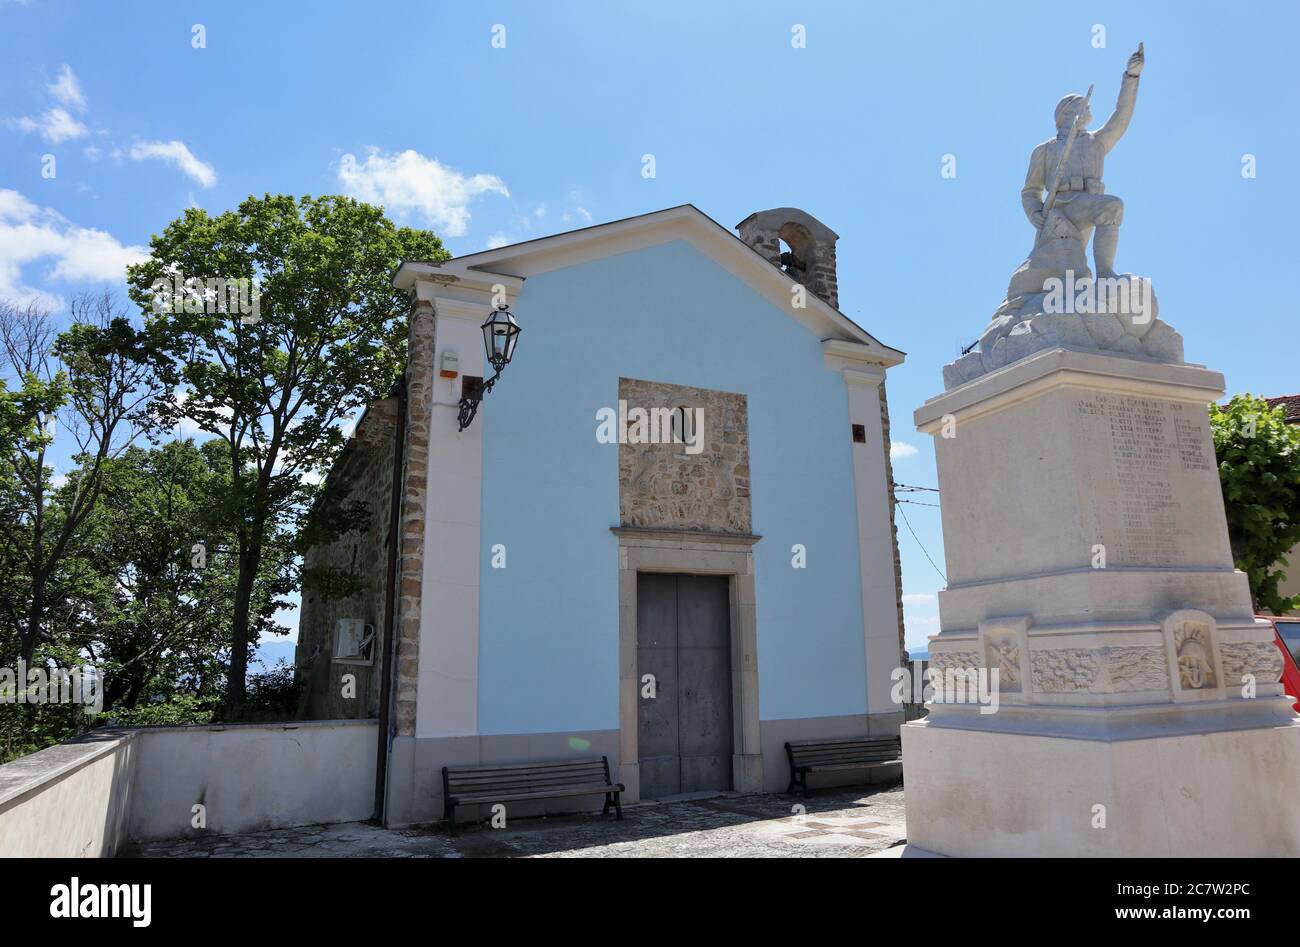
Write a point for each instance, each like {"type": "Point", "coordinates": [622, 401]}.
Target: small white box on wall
{"type": "Point", "coordinates": [353, 641]}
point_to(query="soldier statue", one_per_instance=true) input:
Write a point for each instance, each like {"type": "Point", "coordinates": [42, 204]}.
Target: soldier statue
{"type": "Point", "coordinates": [1077, 201]}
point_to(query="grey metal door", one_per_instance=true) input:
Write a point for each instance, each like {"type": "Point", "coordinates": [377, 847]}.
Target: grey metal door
{"type": "Point", "coordinates": [684, 741]}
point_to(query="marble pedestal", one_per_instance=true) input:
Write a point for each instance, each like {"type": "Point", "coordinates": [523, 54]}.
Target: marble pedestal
{"type": "Point", "coordinates": [1139, 710]}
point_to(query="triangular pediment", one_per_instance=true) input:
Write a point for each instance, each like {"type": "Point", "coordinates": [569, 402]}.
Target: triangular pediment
{"type": "Point", "coordinates": [685, 222]}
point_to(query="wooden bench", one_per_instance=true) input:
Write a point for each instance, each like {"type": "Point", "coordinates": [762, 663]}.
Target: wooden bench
{"type": "Point", "coordinates": [474, 785]}
{"type": "Point", "coordinates": [821, 756]}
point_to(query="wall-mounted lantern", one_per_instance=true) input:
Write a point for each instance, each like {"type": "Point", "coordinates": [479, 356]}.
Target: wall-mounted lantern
{"type": "Point", "coordinates": [500, 334]}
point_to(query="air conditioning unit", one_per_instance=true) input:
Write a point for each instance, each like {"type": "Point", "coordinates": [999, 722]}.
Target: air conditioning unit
{"type": "Point", "coordinates": [354, 641]}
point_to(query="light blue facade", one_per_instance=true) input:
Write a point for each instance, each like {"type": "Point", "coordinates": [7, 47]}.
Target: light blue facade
{"type": "Point", "coordinates": [548, 639]}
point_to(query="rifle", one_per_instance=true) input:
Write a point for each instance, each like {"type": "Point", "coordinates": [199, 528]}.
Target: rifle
{"type": "Point", "coordinates": [1060, 165]}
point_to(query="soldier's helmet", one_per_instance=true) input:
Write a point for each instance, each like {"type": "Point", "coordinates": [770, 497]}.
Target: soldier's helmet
{"type": "Point", "coordinates": [1067, 108]}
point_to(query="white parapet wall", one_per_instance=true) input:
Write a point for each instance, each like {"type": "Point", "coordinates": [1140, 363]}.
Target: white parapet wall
{"type": "Point", "coordinates": [88, 797]}
{"type": "Point", "coordinates": [69, 801]}
{"type": "Point", "coordinates": [253, 776]}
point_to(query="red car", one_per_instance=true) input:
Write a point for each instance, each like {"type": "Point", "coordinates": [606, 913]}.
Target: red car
{"type": "Point", "coordinates": [1287, 638]}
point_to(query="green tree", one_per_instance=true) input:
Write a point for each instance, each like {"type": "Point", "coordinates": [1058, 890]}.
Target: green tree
{"type": "Point", "coordinates": [21, 435]}
{"type": "Point", "coordinates": [158, 626]}
{"type": "Point", "coordinates": [1259, 467]}
{"type": "Point", "coordinates": [274, 385]}
{"type": "Point", "coordinates": [89, 384]}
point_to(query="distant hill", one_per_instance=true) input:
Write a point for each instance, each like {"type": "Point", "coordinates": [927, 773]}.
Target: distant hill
{"type": "Point", "coordinates": [270, 651]}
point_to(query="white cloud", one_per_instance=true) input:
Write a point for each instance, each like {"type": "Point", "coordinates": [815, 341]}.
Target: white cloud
{"type": "Point", "coordinates": [179, 154]}
{"type": "Point", "coordinates": [578, 215]}
{"type": "Point", "coordinates": [90, 255]}
{"type": "Point", "coordinates": [55, 126]}
{"type": "Point", "coordinates": [67, 89]}
{"type": "Point", "coordinates": [13, 206]}
{"type": "Point", "coordinates": [410, 183]}
{"type": "Point", "coordinates": [29, 233]}
{"type": "Point", "coordinates": [920, 618]}
{"type": "Point", "coordinates": [497, 240]}
{"type": "Point", "coordinates": [898, 450]}
{"type": "Point", "coordinates": [576, 211]}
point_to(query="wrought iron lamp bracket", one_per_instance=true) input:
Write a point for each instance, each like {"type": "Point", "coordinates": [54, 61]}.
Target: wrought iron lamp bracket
{"type": "Point", "coordinates": [469, 404]}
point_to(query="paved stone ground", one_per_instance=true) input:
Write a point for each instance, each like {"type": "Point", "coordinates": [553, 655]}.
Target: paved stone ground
{"type": "Point", "coordinates": [837, 824]}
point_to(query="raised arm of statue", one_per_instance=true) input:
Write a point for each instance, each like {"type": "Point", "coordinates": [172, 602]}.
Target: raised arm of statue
{"type": "Point", "coordinates": [1032, 194]}
{"type": "Point", "coordinates": [1109, 134]}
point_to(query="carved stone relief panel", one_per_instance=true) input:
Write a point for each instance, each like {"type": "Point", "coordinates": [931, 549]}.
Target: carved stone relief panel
{"type": "Point", "coordinates": [943, 661]}
{"type": "Point", "coordinates": [1260, 659]}
{"type": "Point", "coordinates": [1066, 670]}
{"type": "Point", "coordinates": [1191, 646]}
{"type": "Point", "coordinates": [683, 459]}
{"type": "Point", "coordinates": [1109, 670]}
{"type": "Point", "coordinates": [1137, 669]}
{"type": "Point", "coordinates": [1195, 654]}
{"type": "Point", "coordinates": [1002, 652]}
{"type": "Point", "coordinates": [1004, 646]}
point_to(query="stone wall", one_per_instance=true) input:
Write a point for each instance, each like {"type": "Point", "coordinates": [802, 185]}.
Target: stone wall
{"type": "Point", "coordinates": [662, 486]}
{"type": "Point", "coordinates": [415, 487]}
{"type": "Point", "coordinates": [810, 261]}
{"type": "Point", "coordinates": [363, 474]}
{"type": "Point", "coordinates": [893, 525]}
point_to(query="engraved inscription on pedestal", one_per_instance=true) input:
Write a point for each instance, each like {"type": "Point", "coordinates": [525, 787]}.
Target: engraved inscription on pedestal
{"type": "Point", "coordinates": [1153, 450]}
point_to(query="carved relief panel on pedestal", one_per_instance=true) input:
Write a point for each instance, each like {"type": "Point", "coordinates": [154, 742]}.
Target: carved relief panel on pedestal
{"type": "Point", "coordinates": [1190, 643]}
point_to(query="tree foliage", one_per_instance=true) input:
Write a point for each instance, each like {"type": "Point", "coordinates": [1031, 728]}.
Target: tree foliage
{"type": "Point", "coordinates": [165, 564]}
{"type": "Point", "coordinates": [275, 385]}
{"type": "Point", "coordinates": [90, 383]}
{"type": "Point", "coordinates": [1259, 468]}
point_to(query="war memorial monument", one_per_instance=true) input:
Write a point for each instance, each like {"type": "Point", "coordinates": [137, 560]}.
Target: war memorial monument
{"type": "Point", "coordinates": [1088, 564]}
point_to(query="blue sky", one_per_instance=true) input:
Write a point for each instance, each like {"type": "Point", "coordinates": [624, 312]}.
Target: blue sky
{"type": "Point", "coordinates": [411, 105]}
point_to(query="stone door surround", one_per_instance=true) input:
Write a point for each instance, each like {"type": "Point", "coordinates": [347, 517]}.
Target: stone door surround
{"type": "Point", "coordinates": [693, 553]}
